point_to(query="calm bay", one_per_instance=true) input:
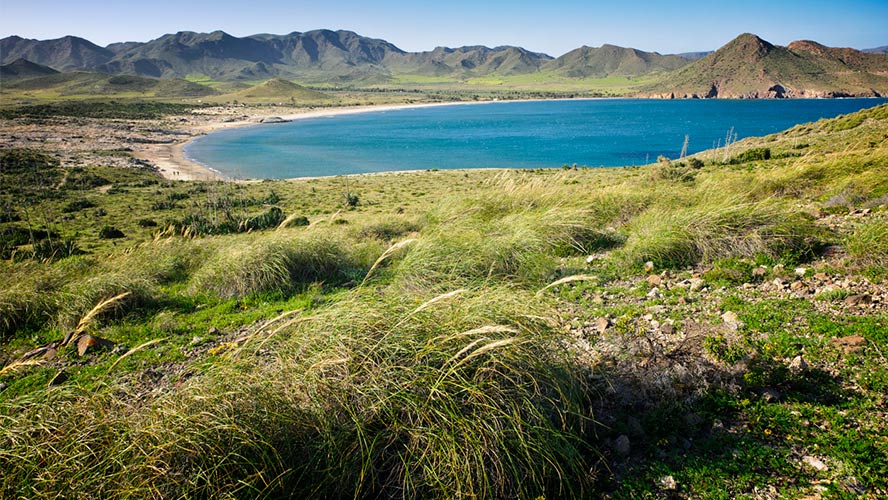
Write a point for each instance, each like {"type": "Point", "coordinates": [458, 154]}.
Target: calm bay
{"type": "Point", "coordinates": [529, 134]}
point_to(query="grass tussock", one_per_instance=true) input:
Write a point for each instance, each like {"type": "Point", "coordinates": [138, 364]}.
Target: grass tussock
{"type": "Point", "coordinates": [675, 237]}
{"type": "Point", "coordinates": [472, 396]}
{"type": "Point", "coordinates": [868, 244]}
{"type": "Point", "coordinates": [281, 261]}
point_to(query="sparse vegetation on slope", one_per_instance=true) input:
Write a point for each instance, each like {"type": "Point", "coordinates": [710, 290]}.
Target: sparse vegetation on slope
{"type": "Point", "coordinates": [749, 67]}
{"type": "Point", "coordinates": [705, 328]}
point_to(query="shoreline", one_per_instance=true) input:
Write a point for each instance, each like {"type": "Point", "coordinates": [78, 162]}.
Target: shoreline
{"type": "Point", "coordinates": [173, 164]}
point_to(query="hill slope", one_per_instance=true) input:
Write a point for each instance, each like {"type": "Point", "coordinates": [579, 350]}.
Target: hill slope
{"type": "Point", "coordinates": [326, 56]}
{"type": "Point", "coordinates": [277, 90]}
{"type": "Point", "coordinates": [62, 54]}
{"type": "Point", "coordinates": [749, 67]}
{"type": "Point", "coordinates": [468, 61]}
{"type": "Point", "coordinates": [611, 60]}
{"type": "Point", "coordinates": [79, 83]}
{"type": "Point", "coordinates": [21, 69]}
{"type": "Point", "coordinates": [492, 332]}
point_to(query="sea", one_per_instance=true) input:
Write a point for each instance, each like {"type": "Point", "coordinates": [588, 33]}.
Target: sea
{"type": "Point", "coordinates": [519, 135]}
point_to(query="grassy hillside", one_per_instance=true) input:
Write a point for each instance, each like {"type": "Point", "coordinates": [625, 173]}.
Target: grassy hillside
{"type": "Point", "coordinates": [21, 69]}
{"type": "Point", "coordinates": [82, 85]}
{"type": "Point", "coordinates": [610, 60]}
{"type": "Point", "coordinates": [711, 327]}
{"type": "Point", "coordinates": [276, 90]}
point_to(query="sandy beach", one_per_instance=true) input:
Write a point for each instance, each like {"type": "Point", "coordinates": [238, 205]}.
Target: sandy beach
{"type": "Point", "coordinates": [172, 163]}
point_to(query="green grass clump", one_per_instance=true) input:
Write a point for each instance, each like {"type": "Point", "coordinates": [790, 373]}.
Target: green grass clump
{"type": "Point", "coordinates": [868, 244]}
{"type": "Point", "coordinates": [716, 229]}
{"type": "Point", "coordinates": [374, 397]}
{"type": "Point", "coordinates": [281, 262]}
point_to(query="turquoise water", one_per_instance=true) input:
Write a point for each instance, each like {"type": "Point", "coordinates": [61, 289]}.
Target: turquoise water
{"type": "Point", "coordinates": [540, 134]}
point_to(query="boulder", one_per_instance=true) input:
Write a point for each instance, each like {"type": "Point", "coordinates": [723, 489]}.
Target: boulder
{"type": "Point", "coordinates": [622, 445]}
{"type": "Point", "coordinates": [89, 343]}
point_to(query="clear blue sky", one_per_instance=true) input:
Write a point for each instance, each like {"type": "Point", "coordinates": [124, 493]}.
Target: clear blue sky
{"type": "Point", "coordinates": [553, 26]}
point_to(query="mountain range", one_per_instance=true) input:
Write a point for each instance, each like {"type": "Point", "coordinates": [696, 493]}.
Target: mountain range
{"type": "Point", "coordinates": [746, 67]}
{"type": "Point", "coordinates": [319, 56]}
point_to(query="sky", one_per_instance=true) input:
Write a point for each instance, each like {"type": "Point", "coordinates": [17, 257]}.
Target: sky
{"type": "Point", "coordinates": [552, 26]}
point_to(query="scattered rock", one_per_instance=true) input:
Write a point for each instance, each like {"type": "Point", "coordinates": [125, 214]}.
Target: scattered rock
{"type": "Point", "coordinates": [731, 319]}
{"type": "Point", "coordinates": [46, 352]}
{"type": "Point", "coordinates": [759, 272]}
{"type": "Point", "coordinates": [800, 271]}
{"type": "Point", "coordinates": [771, 395]}
{"type": "Point", "coordinates": [858, 300]}
{"type": "Point", "coordinates": [668, 483]}
{"type": "Point", "coordinates": [213, 331]}
{"type": "Point", "coordinates": [667, 329]}
{"type": "Point", "coordinates": [654, 280]}
{"type": "Point", "coordinates": [88, 343]}
{"type": "Point", "coordinates": [815, 462]}
{"type": "Point", "coordinates": [601, 324]}
{"type": "Point", "coordinates": [796, 286]}
{"type": "Point", "coordinates": [850, 344]}
{"type": "Point", "coordinates": [622, 445]}
{"type": "Point", "coordinates": [273, 119]}
{"type": "Point", "coordinates": [654, 293]}
{"type": "Point", "coordinates": [59, 378]}
{"type": "Point", "coordinates": [696, 283]}
{"type": "Point", "coordinates": [592, 258]}
{"type": "Point", "coordinates": [798, 365]}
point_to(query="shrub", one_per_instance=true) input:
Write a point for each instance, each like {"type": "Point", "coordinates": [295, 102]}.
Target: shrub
{"type": "Point", "coordinates": [268, 220]}
{"type": "Point", "coordinates": [110, 232]}
{"type": "Point", "coordinates": [351, 199]}
{"type": "Point", "coordinates": [752, 154]}
{"type": "Point", "coordinates": [52, 249]}
{"type": "Point", "coordinates": [77, 205]}
{"type": "Point", "coordinates": [25, 158]}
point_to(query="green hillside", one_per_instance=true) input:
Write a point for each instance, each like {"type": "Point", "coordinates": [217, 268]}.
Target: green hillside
{"type": "Point", "coordinates": [22, 69]}
{"type": "Point", "coordinates": [91, 85]}
{"type": "Point", "coordinates": [610, 60]}
{"type": "Point", "coordinates": [276, 90]}
{"type": "Point", "coordinates": [710, 327]}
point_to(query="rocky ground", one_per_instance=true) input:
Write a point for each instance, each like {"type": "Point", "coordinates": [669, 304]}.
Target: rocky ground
{"type": "Point", "coordinates": [125, 142]}
{"type": "Point", "coordinates": [671, 337]}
